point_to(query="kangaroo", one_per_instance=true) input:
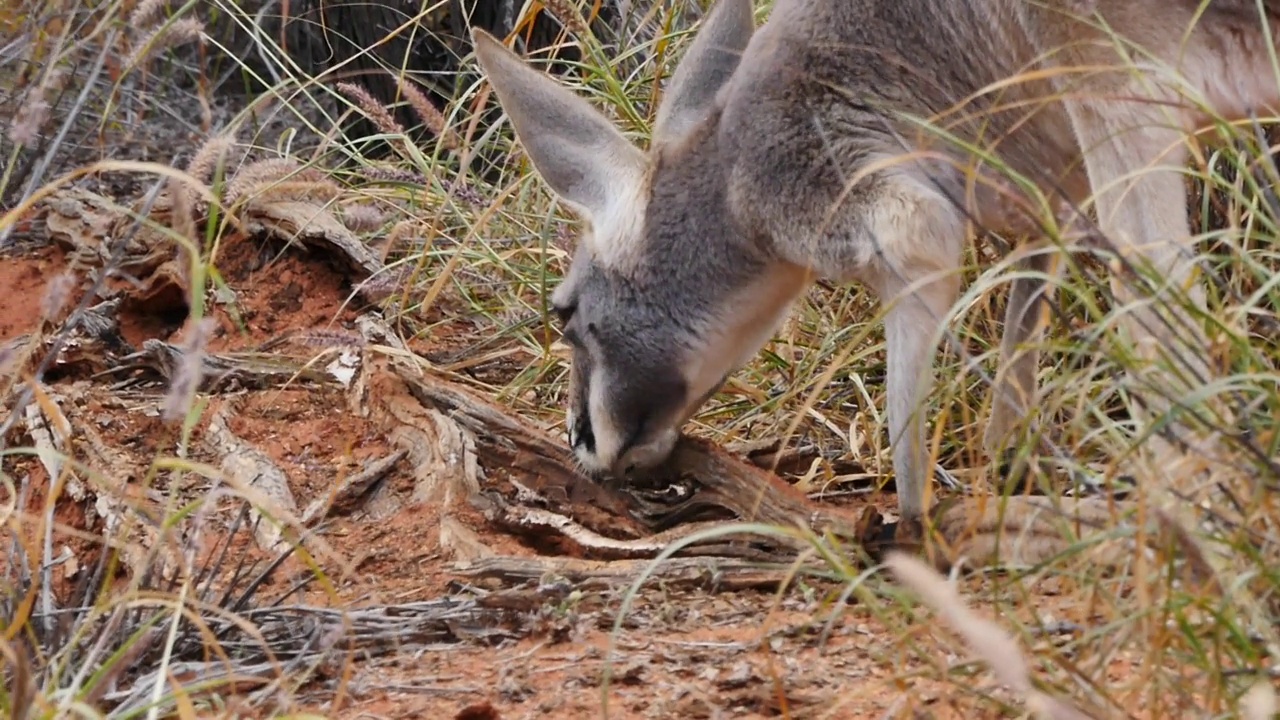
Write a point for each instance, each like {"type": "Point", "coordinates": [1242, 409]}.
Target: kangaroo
{"type": "Point", "coordinates": [803, 150]}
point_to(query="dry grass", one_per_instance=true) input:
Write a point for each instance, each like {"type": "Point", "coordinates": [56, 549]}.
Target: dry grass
{"type": "Point", "coordinates": [463, 236]}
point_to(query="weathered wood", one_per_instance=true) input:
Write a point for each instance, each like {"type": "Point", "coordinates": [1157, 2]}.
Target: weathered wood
{"type": "Point", "coordinates": [396, 392]}
{"type": "Point", "coordinates": [709, 573]}
{"type": "Point", "coordinates": [247, 466]}
{"type": "Point", "coordinates": [981, 528]}
{"type": "Point", "coordinates": [348, 492]}
{"type": "Point", "coordinates": [612, 520]}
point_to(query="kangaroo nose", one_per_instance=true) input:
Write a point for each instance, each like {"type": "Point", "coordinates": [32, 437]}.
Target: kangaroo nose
{"type": "Point", "coordinates": [581, 437]}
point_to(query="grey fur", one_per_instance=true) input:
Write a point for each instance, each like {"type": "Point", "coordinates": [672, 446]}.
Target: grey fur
{"type": "Point", "coordinates": [796, 163]}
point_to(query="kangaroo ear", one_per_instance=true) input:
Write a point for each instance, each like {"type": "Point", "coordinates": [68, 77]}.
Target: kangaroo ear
{"type": "Point", "coordinates": [574, 147]}
{"type": "Point", "coordinates": [707, 64]}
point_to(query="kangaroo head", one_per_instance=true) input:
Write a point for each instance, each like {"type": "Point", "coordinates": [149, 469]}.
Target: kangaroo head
{"type": "Point", "coordinates": [667, 293]}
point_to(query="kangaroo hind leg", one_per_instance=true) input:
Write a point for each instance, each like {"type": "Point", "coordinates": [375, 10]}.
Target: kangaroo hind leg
{"type": "Point", "coordinates": [1015, 389]}
{"type": "Point", "coordinates": [1134, 165]}
{"type": "Point", "coordinates": [920, 236]}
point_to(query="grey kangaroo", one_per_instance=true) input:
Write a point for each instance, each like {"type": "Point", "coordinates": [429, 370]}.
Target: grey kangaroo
{"type": "Point", "coordinates": [803, 150]}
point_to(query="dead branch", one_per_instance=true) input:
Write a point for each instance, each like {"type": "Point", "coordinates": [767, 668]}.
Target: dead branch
{"type": "Point", "coordinates": [546, 494]}
{"type": "Point", "coordinates": [313, 224]}
{"type": "Point", "coordinates": [398, 393]}
{"type": "Point", "coordinates": [538, 524]}
{"type": "Point", "coordinates": [710, 573]}
{"type": "Point", "coordinates": [348, 492]}
{"type": "Point", "coordinates": [248, 466]}
{"type": "Point", "coordinates": [271, 642]}
{"type": "Point", "coordinates": [221, 373]}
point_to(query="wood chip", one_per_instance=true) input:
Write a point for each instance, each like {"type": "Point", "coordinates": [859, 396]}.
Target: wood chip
{"type": "Point", "coordinates": [246, 466]}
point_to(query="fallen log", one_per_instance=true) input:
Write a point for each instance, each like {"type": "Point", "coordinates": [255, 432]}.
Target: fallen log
{"type": "Point", "coordinates": [711, 573]}
{"type": "Point", "coordinates": [546, 495]}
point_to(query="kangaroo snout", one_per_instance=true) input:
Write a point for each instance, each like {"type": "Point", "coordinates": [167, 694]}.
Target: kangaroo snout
{"type": "Point", "coordinates": [616, 430]}
{"type": "Point", "coordinates": [644, 448]}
